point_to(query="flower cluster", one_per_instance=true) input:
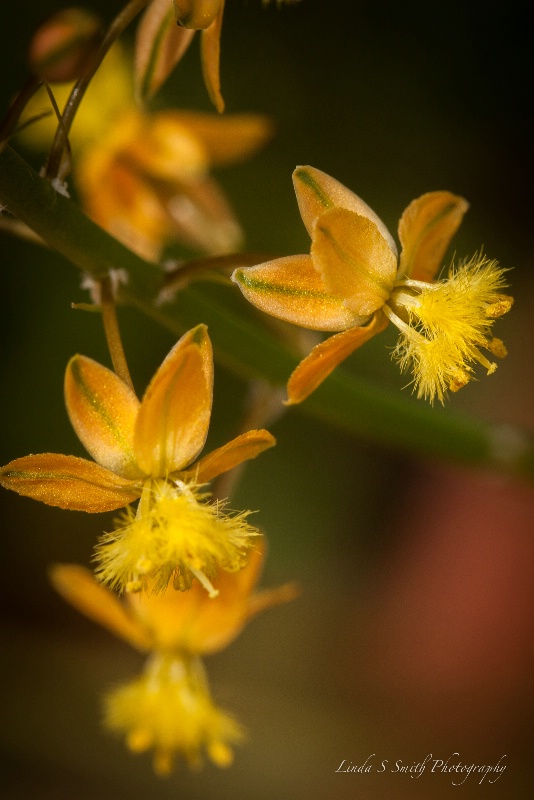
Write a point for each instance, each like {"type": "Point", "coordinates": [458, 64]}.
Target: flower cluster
{"type": "Point", "coordinates": [354, 282]}
{"type": "Point", "coordinates": [175, 576]}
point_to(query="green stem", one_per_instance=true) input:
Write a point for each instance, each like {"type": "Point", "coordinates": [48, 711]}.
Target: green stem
{"type": "Point", "coordinates": [121, 21]}
{"type": "Point", "coordinates": [112, 332]}
{"type": "Point", "coordinates": [349, 403]}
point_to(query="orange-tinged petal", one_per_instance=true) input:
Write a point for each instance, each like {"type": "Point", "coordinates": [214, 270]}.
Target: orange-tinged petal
{"type": "Point", "coordinates": [425, 231]}
{"type": "Point", "coordinates": [354, 259]}
{"type": "Point", "coordinates": [130, 208]}
{"type": "Point", "coordinates": [172, 423]}
{"type": "Point", "coordinates": [159, 46]}
{"type": "Point", "coordinates": [210, 53]}
{"type": "Point", "coordinates": [242, 448]}
{"type": "Point", "coordinates": [68, 482]}
{"type": "Point", "coordinates": [197, 14]}
{"type": "Point", "coordinates": [78, 587]}
{"type": "Point", "coordinates": [166, 149]}
{"type": "Point", "coordinates": [317, 192]}
{"type": "Point", "coordinates": [226, 139]}
{"type": "Point", "coordinates": [326, 356]}
{"type": "Point", "coordinates": [192, 621]}
{"type": "Point", "coordinates": [102, 410]}
{"type": "Point", "coordinates": [272, 597]}
{"type": "Point", "coordinates": [292, 289]}
{"type": "Point", "coordinates": [201, 215]}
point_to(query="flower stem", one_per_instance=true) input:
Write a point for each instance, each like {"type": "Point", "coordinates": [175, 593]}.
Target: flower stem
{"type": "Point", "coordinates": [111, 329]}
{"type": "Point", "coordinates": [56, 166]}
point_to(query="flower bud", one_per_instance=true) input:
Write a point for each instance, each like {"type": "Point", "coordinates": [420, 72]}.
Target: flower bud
{"type": "Point", "coordinates": [62, 45]}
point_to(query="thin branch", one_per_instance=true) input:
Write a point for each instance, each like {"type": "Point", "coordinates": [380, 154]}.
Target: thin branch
{"type": "Point", "coordinates": [112, 331]}
{"type": "Point", "coordinates": [121, 21]}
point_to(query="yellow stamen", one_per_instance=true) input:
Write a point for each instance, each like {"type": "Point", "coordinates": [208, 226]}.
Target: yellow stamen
{"type": "Point", "coordinates": [497, 348]}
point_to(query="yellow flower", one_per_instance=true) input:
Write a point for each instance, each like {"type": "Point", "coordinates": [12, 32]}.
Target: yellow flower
{"type": "Point", "coordinates": [145, 450]}
{"type": "Point", "coordinates": [169, 707]}
{"type": "Point", "coordinates": [354, 282]}
{"type": "Point", "coordinates": [144, 177]}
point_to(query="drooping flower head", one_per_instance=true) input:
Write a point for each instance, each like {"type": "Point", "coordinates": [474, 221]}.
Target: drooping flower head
{"type": "Point", "coordinates": [169, 707]}
{"type": "Point", "coordinates": [354, 282]}
{"type": "Point", "coordinates": [146, 451]}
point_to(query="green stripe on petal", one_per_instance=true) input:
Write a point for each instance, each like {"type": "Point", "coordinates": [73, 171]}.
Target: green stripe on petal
{"type": "Point", "coordinates": [102, 410]}
{"type": "Point", "coordinates": [292, 289]}
{"type": "Point", "coordinates": [425, 231]}
{"type": "Point", "coordinates": [317, 192]}
{"type": "Point", "coordinates": [174, 417]}
{"type": "Point", "coordinates": [68, 482]}
{"type": "Point", "coordinates": [160, 44]}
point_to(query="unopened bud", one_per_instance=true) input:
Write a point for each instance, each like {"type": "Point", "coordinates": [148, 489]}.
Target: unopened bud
{"type": "Point", "coordinates": [62, 45]}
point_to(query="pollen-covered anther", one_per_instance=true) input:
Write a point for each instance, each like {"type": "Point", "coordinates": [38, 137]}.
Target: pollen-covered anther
{"type": "Point", "coordinates": [220, 754]}
{"type": "Point", "coordinates": [169, 708]}
{"type": "Point", "coordinates": [139, 740]}
{"type": "Point", "coordinates": [144, 566]}
{"type": "Point", "coordinates": [459, 380]}
{"type": "Point", "coordinates": [500, 307]}
{"type": "Point", "coordinates": [175, 534]}
{"type": "Point", "coordinates": [497, 348]}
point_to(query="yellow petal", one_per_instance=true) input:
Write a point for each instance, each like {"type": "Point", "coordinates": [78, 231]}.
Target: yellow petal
{"type": "Point", "coordinates": [242, 448]}
{"type": "Point", "coordinates": [174, 417]}
{"type": "Point", "coordinates": [354, 259]}
{"type": "Point", "coordinates": [79, 588]}
{"type": "Point", "coordinates": [326, 356]}
{"type": "Point", "coordinates": [159, 46]}
{"type": "Point", "coordinates": [290, 288]}
{"type": "Point", "coordinates": [317, 192]}
{"type": "Point", "coordinates": [226, 139]}
{"type": "Point", "coordinates": [102, 410]}
{"type": "Point", "coordinates": [196, 14]}
{"type": "Point", "coordinates": [210, 52]}
{"type": "Point", "coordinates": [425, 231]}
{"type": "Point", "coordinates": [68, 482]}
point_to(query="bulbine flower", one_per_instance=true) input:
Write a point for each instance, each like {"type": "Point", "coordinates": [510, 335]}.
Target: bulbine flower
{"type": "Point", "coordinates": [354, 282]}
{"type": "Point", "coordinates": [145, 177]}
{"type": "Point", "coordinates": [169, 707]}
{"type": "Point", "coordinates": [146, 450]}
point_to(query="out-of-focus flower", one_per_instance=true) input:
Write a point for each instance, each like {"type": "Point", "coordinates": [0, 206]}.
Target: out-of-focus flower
{"type": "Point", "coordinates": [145, 450]}
{"type": "Point", "coordinates": [354, 282]}
{"type": "Point", "coordinates": [145, 177]}
{"type": "Point", "coordinates": [169, 707]}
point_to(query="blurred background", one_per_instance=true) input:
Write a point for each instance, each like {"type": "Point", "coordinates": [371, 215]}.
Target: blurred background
{"type": "Point", "coordinates": [414, 632]}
